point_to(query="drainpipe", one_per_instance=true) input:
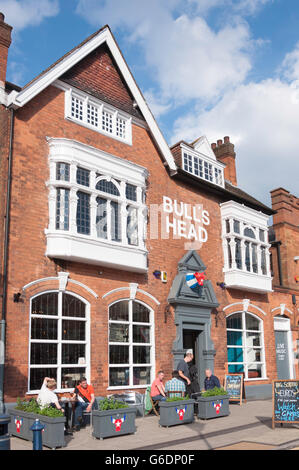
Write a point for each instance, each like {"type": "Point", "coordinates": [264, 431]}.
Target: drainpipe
{"type": "Point", "coordinates": [277, 244]}
{"type": "Point", "coordinates": [5, 265]}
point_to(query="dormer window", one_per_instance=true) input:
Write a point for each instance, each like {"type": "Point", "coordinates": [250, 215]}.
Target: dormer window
{"type": "Point", "coordinates": [99, 116]}
{"type": "Point", "coordinates": [203, 166]}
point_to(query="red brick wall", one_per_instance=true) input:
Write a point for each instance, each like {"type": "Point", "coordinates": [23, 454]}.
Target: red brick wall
{"type": "Point", "coordinates": [44, 116]}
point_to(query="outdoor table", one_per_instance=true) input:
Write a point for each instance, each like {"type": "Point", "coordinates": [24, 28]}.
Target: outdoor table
{"type": "Point", "coordinates": [69, 405]}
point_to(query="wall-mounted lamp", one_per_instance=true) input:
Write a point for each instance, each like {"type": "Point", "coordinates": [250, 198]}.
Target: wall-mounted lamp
{"type": "Point", "coordinates": [17, 297]}
{"type": "Point", "coordinates": [222, 285]}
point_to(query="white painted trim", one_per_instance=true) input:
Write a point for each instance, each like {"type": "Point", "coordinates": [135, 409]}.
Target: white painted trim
{"type": "Point", "coordinates": [46, 279]}
{"type": "Point", "coordinates": [119, 289]}
{"type": "Point", "coordinates": [282, 309]}
{"type": "Point", "coordinates": [243, 310]}
{"type": "Point", "coordinates": [17, 100]}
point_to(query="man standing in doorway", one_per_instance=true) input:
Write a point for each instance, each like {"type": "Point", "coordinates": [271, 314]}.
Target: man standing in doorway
{"type": "Point", "coordinates": [183, 369]}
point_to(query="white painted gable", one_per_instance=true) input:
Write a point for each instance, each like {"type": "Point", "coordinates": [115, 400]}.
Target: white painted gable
{"type": "Point", "coordinates": [203, 146]}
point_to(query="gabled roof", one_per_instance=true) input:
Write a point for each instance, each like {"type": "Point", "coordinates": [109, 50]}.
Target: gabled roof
{"type": "Point", "coordinates": [18, 99]}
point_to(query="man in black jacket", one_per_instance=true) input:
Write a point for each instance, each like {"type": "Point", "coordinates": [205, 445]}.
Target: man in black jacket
{"type": "Point", "coordinates": [211, 380]}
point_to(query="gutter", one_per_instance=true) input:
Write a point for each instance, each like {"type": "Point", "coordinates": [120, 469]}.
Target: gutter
{"type": "Point", "coordinates": [5, 265]}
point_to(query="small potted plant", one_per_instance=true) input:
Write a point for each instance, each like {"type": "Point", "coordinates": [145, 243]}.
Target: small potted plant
{"type": "Point", "coordinates": [113, 418]}
{"type": "Point", "coordinates": [176, 410]}
{"type": "Point", "coordinates": [213, 403]}
{"type": "Point", "coordinates": [24, 415]}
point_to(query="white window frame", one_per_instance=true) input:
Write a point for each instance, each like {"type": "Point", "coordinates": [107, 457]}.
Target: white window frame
{"type": "Point", "coordinates": [130, 344]}
{"type": "Point", "coordinates": [202, 166]}
{"type": "Point", "coordinates": [245, 346]}
{"type": "Point", "coordinates": [111, 168]}
{"type": "Point", "coordinates": [240, 277]}
{"type": "Point", "coordinates": [59, 341]}
{"type": "Point", "coordinates": [101, 107]}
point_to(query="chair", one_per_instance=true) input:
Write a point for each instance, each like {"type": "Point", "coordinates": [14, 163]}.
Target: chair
{"type": "Point", "coordinates": [155, 406]}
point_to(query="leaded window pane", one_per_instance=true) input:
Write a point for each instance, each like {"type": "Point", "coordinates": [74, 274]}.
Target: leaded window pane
{"type": "Point", "coordinates": [83, 213]}
{"type": "Point", "coordinates": [37, 376]}
{"type": "Point", "coordinates": [132, 225]}
{"type": "Point", "coordinates": [73, 330]}
{"type": "Point", "coordinates": [119, 376]}
{"type": "Point", "coordinates": [118, 333]}
{"type": "Point", "coordinates": [83, 176]}
{"type": "Point", "coordinates": [141, 375]}
{"type": "Point", "coordinates": [72, 307]}
{"type": "Point", "coordinates": [141, 354]}
{"type": "Point", "coordinates": [43, 353]}
{"type": "Point", "coordinates": [92, 115]}
{"type": "Point", "coordinates": [70, 376]}
{"type": "Point", "coordinates": [107, 187]}
{"type": "Point", "coordinates": [77, 108]}
{"type": "Point", "coordinates": [45, 304]}
{"type": "Point", "coordinates": [72, 353]}
{"type": "Point", "coordinates": [101, 218]}
{"type": "Point", "coordinates": [141, 334]}
{"type": "Point", "coordinates": [62, 209]}
{"type": "Point", "coordinates": [140, 313]}
{"type": "Point", "coordinates": [131, 192]}
{"type": "Point", "coordinates": [115, 221]}
{"type": "Point", "coordinates": [63, 171]}
{"type": "Point", "coordinates": [234, 321]}
{"type": "Point", "coordinates": [119, 311]}
{"type": "Point", "coordinates": [118, 354]}
{"type": "Point", "coordinates": [107, 122]}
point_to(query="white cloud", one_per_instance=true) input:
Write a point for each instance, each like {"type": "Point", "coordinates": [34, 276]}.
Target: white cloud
{"type": "Point", "coordinates": [262, 121]}
{"type": "Point", "coordinates": [186, 58]}
{"type": "Point", "coordinates": [23, 13]}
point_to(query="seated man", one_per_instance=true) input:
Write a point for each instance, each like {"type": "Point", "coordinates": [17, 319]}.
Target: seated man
{"type": "Point", "coordinates": [157, 388]}
{"type": "Point", "coordinates": [46, 396]}
{"type": "Point", "coordinates": [175, 385]}
{"type": "Point", "coordinates": [85, 401]}
{"type": "Point", "coordinates": [211, 381]}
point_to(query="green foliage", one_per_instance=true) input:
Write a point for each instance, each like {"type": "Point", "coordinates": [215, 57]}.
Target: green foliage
{"type": "Point", "coordinates": [32, 406]}
{"type": "Point", "coordinates": [170, 399]}
{"type": "Point", "coordinates": [214, 392]}
{"type": "Point", "coordinates": [111, 404]}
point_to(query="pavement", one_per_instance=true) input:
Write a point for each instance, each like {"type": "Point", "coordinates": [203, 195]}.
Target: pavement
{"type": "Point", "coordinates": [248, 427]}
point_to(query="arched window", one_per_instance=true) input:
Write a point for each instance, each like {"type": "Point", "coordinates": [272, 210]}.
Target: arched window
{"type": "Point", "coordinates": [245, 345]}
{"type": "Point", "coordinates": [59, 339]}
{"type": "Point", "coordinates": [131, 344]}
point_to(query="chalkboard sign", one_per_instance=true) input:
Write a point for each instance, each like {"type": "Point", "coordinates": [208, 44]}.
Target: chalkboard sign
{"type": "Point", "coordinates": [285, 399]}
{"type": "Point", "coordinates": [234, 385]}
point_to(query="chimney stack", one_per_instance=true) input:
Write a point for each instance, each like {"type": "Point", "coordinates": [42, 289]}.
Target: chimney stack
{"type": "Point", "coordinates": [5, 41]}
{"type": "Point", "coordinates": [225, 153]}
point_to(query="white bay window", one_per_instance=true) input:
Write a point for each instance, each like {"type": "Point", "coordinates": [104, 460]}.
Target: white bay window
{"type": "Point", "coordinates": [245, 248]}
{"type": "Point", "coordinates": [96, 207]}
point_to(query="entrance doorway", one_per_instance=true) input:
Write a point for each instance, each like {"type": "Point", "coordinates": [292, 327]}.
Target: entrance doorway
{"type": "Point", "coordinates": [192, 340]}
{"type": "Point", "coordinates": [283, 348]}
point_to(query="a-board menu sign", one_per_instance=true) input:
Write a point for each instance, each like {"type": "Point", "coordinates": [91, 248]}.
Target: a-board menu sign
{"type": "Point", "coordinates": [285, 400]}
{"type": "Point", "coordinates": [234, 386]}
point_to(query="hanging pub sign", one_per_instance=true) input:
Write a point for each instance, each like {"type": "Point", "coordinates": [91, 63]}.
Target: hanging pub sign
{"type": "Point", "coordinates": [195, 281]}
{"type": "Point", "coordinates": [285, 401]}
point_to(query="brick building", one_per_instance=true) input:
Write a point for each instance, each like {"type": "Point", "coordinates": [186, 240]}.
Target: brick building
{"type": "Point", "coordinates": [101, 222]}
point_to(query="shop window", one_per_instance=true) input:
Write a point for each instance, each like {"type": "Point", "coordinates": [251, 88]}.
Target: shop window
{"type": "Point", "coordinates": [59, 340]}
{"type": "Point", "coordinates": [131, 356]}
{"type": "Point", "coordinates": [245, 345]}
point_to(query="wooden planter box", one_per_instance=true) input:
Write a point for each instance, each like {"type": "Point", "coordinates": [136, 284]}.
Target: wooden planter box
{"type": "Point", "coordinates": [52, 435]}
{"type": "Point", "coordinates": [213, 407]}
{"type": "Point", "coordinates": [176, 412]}
{"type": "Point", "coordinates": [110, 423]}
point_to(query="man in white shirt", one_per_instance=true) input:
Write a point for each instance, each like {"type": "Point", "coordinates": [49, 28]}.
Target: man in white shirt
{"type": "Point", "coordinates": [46, 396]}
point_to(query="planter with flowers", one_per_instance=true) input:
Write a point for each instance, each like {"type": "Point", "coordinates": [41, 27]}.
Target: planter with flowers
{"type": "Point", "coordinates": [113, 418]}
{"type": "Point", "coordinates": [176, 410]}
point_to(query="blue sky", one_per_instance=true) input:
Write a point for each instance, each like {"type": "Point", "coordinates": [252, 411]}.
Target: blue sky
{"type": "Point", "coordinates": [206, 67]}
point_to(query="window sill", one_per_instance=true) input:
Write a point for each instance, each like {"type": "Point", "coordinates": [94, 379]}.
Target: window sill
{"type": "Point", "coordinates": [238, 279]}
{"type": "Point", "coordinates": [127, 387]}
{"type": "Point", "coordinates": [84, 249]}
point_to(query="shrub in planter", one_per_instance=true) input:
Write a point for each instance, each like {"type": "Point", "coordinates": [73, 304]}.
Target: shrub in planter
{"type": "Point", "coordinates": [24, 415]}
{"type": "Point", "coordinates": [176, 410]}
{"type": "Point", "coordinates": [113, 418]}
{"type": "Point", "coordinates": [213, 403]}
